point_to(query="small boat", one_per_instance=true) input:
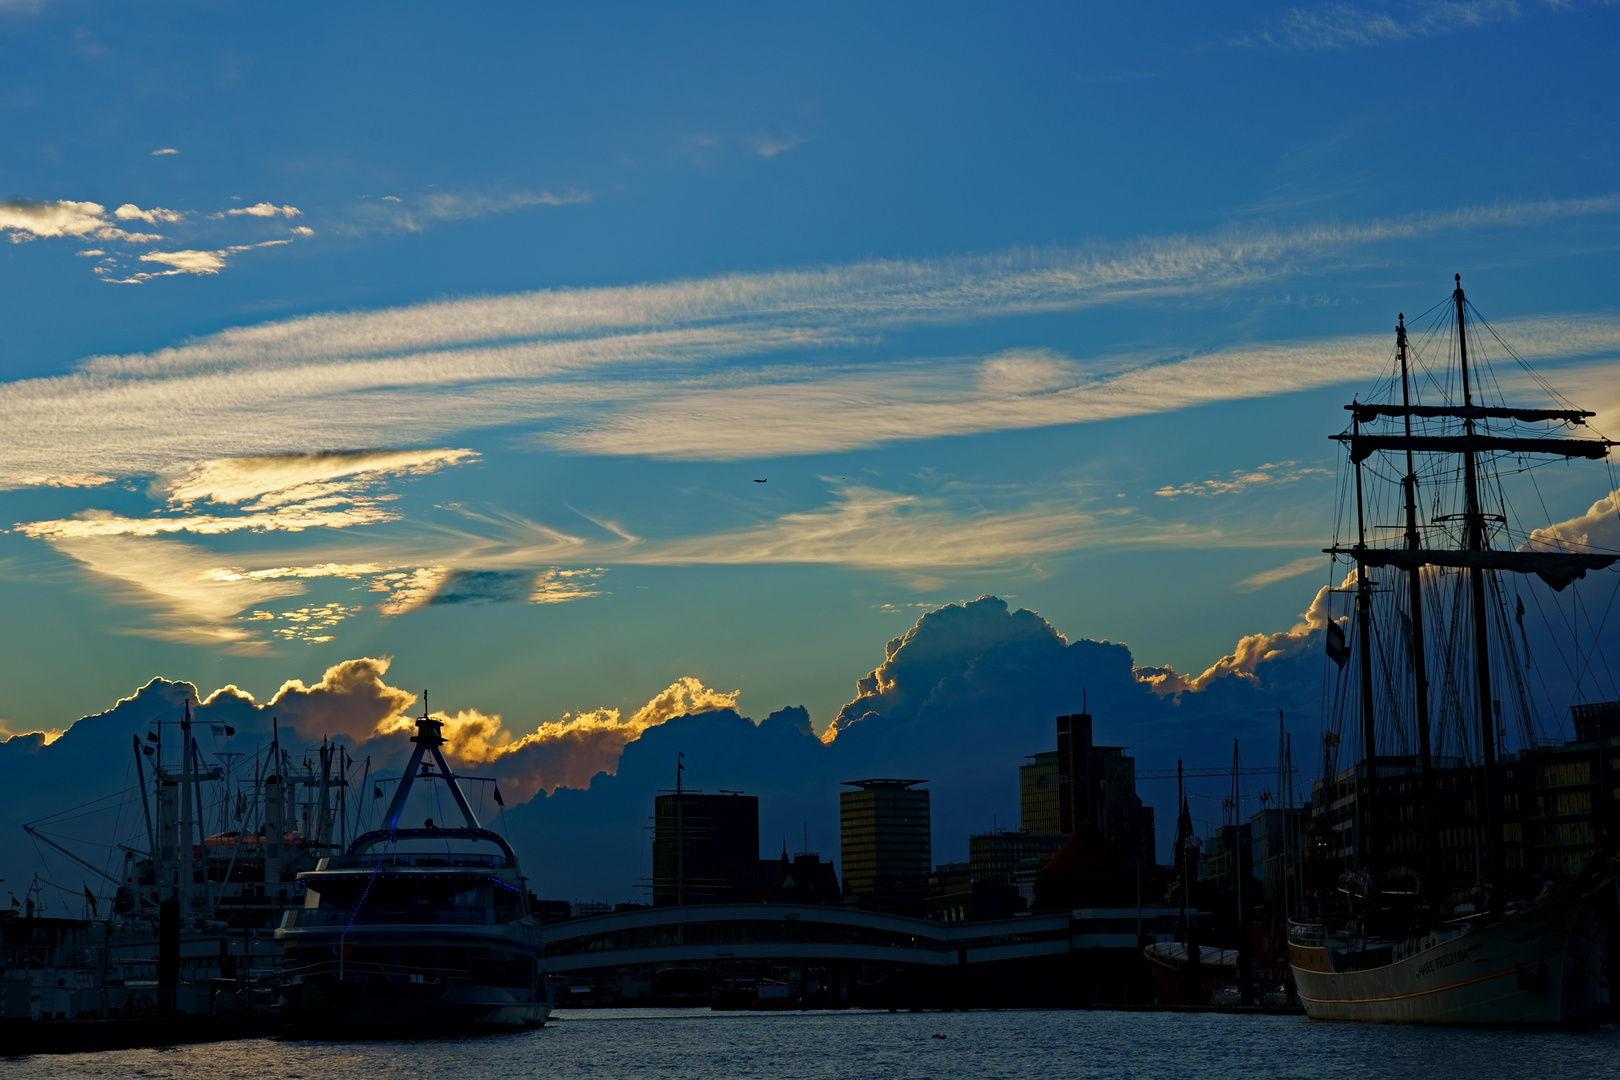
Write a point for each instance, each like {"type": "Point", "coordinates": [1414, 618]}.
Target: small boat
{"type": "Point", "coordinates": [1167, 960]}
{"type": "Point", "coordinates": [416, 929]}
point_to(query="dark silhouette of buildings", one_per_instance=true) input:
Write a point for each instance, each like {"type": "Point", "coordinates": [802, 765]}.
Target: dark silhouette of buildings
{"type": "Point", "coordinates": [804, 879]}
{"type": "Point", "coordinates": [992, 856]}
{"type": "Point", "coordinates": [1098, 784]}
{"type": "Point", "coordinates": [1087, 872]}
{"type": "Point", "coordinates": [705, 848]}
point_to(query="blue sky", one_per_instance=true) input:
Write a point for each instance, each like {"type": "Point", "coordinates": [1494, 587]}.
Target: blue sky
{"type": "Point", "coordinates": [461, 336]}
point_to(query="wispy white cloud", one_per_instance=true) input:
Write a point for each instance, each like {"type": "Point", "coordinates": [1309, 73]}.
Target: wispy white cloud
{"type": "Point", "coordinates": [1271, 474]}
{"type": "Point", "coordinates": [1280, 573]}
{"type": "Point", "coordinates": [170, 579]}
{"type": "Point", "coordinates": [164, 151]}
{"type": "Point", "coordinates": [1339, 26]}
{"type": "Point", "coordinates": [700, 369]}
{"type": "Point", "coordinates": [770, 146]}
{"type": "Point", "coordinates": [427, 210]}
{"type": "Point", "coordinates": [281, 519]}
{"type": "Point", "coordinates": [287, 478]}
{"type": "Point", "coordinates": [883, 530]}
{"type": "Point", "coordinates": [288, 493]}
{"type": "Point", "coordinates": [829, 409]}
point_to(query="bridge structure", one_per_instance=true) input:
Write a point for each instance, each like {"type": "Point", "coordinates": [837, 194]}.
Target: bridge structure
{"type": "Point", "coordinates": [843, 956]}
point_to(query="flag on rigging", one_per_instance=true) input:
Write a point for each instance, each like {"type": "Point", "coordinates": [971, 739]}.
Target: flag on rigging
{"type": "Point", "coordinates": [498, 800]}
{"type": "Point", "coordinates": [151, 737]}
{"type": "Point", "coordinates": [1338, 650]}
{"type": "Point", "coordinates": [376, 792]}
{"type": "Point", "coordinates": [90, 898]}
{"type": "Point", "coordinates": [147, 750]}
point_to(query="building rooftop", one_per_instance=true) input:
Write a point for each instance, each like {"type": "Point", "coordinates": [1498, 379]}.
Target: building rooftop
{"type": "Point", "coordinates": [882, 782]}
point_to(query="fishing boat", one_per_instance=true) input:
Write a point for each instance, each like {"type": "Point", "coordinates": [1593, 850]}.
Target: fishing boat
{"type": "Point", "coordinates": [196, 893]}
{"type": "Point", "coordinates": [416, 929]}
{"type": "Point", "coordinates": [1441, 895]}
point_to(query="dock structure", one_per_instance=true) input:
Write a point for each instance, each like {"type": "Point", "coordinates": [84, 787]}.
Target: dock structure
{"type": "Point", "coordinates": [845, 956]}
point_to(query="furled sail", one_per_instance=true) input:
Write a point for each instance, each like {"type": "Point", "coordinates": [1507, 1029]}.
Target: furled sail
{"type": "Point", "coordinates": [1366, 413]}
{"type": "Point", "coordinates": [1556, 568]}
{"type": "Point", "coordinates": [1362, 446]}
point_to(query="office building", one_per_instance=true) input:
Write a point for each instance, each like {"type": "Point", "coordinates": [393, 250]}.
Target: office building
{"type": "Point", "coordinates": [1038, 794]}
{"type": "Point", "coordinates": [885, 841]}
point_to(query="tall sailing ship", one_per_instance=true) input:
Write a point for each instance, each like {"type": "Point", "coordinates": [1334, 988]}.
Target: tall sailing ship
{"type": "Point", "coordinates": [1442, 915]}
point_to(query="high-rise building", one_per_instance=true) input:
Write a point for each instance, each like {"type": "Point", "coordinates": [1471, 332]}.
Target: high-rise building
{"type": "Point", "coordinates": [705, 848]}
{"type": "Point", "coordinates": [885, 841]}
{"type": "Point", "coordinates": [1038, 794]}
{"type": "Point", "coordinates": [1098, 784]}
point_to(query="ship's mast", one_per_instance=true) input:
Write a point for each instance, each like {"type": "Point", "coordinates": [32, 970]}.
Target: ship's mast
{"type": "Point", "coordinates": [1420, 670]}
{"type": "Point", "coordinates": [1491, 818]}
{"type": "Point", "coordinates": [1369, 735]}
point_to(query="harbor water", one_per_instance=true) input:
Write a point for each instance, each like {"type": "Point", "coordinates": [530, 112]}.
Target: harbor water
{"type": "Point", "coordinates": [675, 1044]}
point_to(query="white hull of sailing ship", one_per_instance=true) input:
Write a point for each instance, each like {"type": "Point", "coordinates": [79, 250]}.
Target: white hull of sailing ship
{"type": "Point", "coordinates": [1543, 966]}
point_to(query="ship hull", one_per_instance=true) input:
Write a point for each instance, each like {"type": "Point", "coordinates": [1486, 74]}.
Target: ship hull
{"type": "Point", "coordinates": [1540, 967]}
{"type": "Point", "coordinates": [411, 1007]}
{"type": "Point", "coordinates": [1217, 968]}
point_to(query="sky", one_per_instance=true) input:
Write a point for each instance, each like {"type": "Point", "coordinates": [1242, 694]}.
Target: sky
{"type": "Point", "coordinates": [585, 367]}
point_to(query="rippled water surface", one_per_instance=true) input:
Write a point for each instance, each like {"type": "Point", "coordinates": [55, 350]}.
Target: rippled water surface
{"type": "Point", "coordinates": [673, 1044]}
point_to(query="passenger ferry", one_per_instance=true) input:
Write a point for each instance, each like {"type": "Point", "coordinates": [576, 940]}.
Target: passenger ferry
{"type": "Point", "coordinates": [419, 929]}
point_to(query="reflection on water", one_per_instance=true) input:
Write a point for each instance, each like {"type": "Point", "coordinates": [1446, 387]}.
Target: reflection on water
{"type": "Point", "coordinates": [677, 1043]}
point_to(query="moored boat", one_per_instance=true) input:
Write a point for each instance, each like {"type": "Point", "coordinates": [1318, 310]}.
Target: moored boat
{"type": "Point", "coordinates": [416, 929]}
{"type": "Point", "coordinates": [1442, 916]}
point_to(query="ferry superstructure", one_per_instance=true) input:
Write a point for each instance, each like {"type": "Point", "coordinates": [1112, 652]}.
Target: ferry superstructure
{"type": "Point", "coordinates": [424, 928]}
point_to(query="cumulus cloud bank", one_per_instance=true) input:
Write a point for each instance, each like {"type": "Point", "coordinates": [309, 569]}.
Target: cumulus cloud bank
{"type": "Point", "coordinates": [351, 700]}
{"type": "Point", "coordinates": [1597, 529]}
{"type": "Point", "coordinates": [1252, 650]}
{"type": "Point", "coordinates": [960, 698]}
{"type": "Point", "coordinates": [569, 751]}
